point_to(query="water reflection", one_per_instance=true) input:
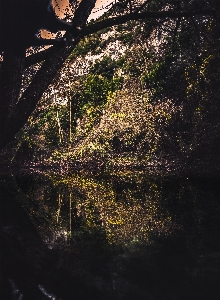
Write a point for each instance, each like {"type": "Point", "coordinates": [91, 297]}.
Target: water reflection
{"type": "Point", "coordinates": [122, 237]}
{"type": "Point", "coordinates": [128, 210]}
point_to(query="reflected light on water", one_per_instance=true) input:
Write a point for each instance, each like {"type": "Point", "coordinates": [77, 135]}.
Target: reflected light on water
{"type": "Point", "coordinates": [126, 215]}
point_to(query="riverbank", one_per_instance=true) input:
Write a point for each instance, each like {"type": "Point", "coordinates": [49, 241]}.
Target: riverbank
{"type": "Point", "coordinates": [169, 166]}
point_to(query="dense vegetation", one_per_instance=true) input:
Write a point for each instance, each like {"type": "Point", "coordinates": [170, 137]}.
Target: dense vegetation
{"type": "Point", "coordinates": [116, 140]}
{"type": "Point", "coordinates": [139, 93]}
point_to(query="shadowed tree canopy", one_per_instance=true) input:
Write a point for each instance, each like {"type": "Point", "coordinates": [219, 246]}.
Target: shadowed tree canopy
{"type": "Point", "coordinates": [16, 104]}
{"type": "Point", "coordinates": [21, 19]}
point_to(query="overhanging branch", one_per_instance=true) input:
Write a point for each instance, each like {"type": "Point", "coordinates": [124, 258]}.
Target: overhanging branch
{"type": "Point", "coordinates": [18, 112]}
{"type": "Point", "coordinates": [144, 15]}
{"type": "Point", "coordinates": [37, 57]}
{"type": "Point", "coordinates": [93, 28]}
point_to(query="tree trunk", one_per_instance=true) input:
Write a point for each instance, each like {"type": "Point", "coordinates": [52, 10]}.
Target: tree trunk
{"type": "Point", "coordinates": [16, 107]}
{"type": "Point", "coordinates": [11, 78]}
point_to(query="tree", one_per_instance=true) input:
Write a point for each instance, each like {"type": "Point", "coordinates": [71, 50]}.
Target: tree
{"type": "Point", "coordinates": [17, 103]}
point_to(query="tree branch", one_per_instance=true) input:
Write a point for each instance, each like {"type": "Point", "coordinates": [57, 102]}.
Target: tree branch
{"type": "Point", "coordinates": [144, 15]}
{"type": "Point", "coordinates": [20, 111]}
{"type": "Point", "coordinates": [37, 57]}
{"type": "Point", "coordinates": [93, 28]}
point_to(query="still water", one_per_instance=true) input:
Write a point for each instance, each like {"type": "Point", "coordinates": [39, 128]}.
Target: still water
{"type": "Point", "coordinates": [124, 237]}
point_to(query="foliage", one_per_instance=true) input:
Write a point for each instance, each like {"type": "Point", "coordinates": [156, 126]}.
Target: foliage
{"type": "Point", "coordinates": [154, 96]}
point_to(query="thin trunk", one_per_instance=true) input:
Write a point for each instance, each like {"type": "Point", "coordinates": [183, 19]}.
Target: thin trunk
{"type": "Point", "coordinates": [70, 214]}
{"type": "Point", "coordinates": [59, 207]}
{"type": "Point", "coordinates": [60, 132]}
{"type": "Point", "coordinates": [70, 103]}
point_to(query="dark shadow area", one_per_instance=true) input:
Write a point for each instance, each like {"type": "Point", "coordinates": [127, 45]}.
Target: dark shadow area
{"type": "Point", "coordinates": [178, 258]}
{"type": "Point", "coordinates": [29, 270]}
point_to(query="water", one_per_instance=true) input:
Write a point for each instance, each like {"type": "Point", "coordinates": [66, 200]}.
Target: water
{"type": "Point", "coordinates": [112, 237]}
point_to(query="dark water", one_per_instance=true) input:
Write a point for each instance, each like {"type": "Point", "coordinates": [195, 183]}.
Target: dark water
{"type": "Point", "coordinates": [122, 237]}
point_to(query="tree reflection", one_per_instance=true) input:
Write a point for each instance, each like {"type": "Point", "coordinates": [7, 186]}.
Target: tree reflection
{"type": "Point", "coordinates": [127, 209]}
{"type": "Point", "coordinates": [127, 237]}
